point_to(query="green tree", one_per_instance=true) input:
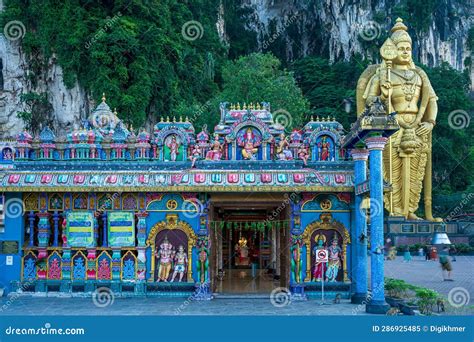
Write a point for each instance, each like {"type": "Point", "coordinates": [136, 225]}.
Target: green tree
{"type": "Point", "coordinates": [259, 77]}
{"type": "Point", "coordinates": [134, 51]}
{"type": "Point", "coordinates": [330, 87]}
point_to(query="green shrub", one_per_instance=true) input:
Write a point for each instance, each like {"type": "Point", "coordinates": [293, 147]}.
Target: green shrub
{"type": "Point", "coordinates": [426, 299]}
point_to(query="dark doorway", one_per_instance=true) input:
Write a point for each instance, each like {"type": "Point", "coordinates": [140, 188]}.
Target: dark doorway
{"type": "Point", "coordinates": [248, 252]}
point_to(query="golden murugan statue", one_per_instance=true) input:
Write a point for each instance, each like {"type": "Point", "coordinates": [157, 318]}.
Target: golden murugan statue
{"type": "Point", "coordinates": [406, 90]}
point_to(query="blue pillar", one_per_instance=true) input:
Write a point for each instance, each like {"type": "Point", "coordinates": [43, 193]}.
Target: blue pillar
{"type": "Point", "coordinates": [359, 240]}
{"type": "Point", "coordinates": [14, 211]}
{"type": "Point", "coordinates": [104, 236]}
{"type": "Point", "coordinates": [31, 220]}
{"type": "Point", "coordinates": [56, 228]}
{"type": "Point", "coordinates": [377, 302]}
{"type": "Point", "coordinates": [96, 230]}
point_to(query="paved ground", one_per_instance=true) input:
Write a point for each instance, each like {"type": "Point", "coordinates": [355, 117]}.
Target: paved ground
{"type": "Point", "coordinates": [428, 274]}
{"type": "Point", "coordinates": [157, 306]}
{"type": "Point", "coordinates": [418, 271]}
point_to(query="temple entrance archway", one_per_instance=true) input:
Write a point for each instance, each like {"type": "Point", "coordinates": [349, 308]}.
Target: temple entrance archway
{"type": "Point", "coordinates": [249, 243]}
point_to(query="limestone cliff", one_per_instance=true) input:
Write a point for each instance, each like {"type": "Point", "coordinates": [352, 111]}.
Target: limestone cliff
{"type": "Point", "coordinates": [337, 29]}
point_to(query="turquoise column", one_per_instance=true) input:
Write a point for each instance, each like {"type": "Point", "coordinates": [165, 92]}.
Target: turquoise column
{"type": "Point", "coordinates": [359, 241]}
{"type": "Point", "coordinates": [43, 229]}
{"type": "Point", "coordinates": [104, 231]}
{"type": "Point", "coordinates": [31, 220]}
{"type": "Point", "coordinates": [56, 228]}
{"type": "Point", "coordinates": [377, 302]}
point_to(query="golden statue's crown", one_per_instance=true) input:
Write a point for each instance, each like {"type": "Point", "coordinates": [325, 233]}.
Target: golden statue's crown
{"type": "Point", "coordinates": [399, 32]}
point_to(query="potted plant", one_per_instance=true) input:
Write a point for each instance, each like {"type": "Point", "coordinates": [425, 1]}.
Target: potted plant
{"type": "Point", "coordinates": [396, 291]}
{"type": "Point", "coordinates": [426, 300]}
{"type": "Point", "coordinates": [409, 307]}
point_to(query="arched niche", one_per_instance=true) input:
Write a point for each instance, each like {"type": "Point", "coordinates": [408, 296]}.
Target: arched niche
{"type": "Point", "coordinates": [325, 224]}
{"type": "Point", "coordinates": [178, 232]}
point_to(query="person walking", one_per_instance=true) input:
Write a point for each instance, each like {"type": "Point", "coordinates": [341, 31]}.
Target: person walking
{"type": "Point", "coordinates": [407, 255]}
{"type": "Point", "coordinates": [427, 252]}
{"type": "Point", "coordinates": [445, 263]}
{"type": "Point", "coordinates": [453, 252]}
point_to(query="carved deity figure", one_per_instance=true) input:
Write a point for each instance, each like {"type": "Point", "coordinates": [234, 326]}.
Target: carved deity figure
{"type": "Point", "coordinates": [215, 153]}
{"type": "Point", "coordinates": [202, 262]}
{"type": "Point", "coordinates": [319, 267]}
{"type": "Point", "coordinates": [282, 151]}
{"type": "Point", "coordinates": [250, 145]}
{"type": "Point", "coordinates": [324, 149]}
{"type": "Point", "coordinates": [173, 145]}
{"type": "Point", "coordinates": [181, 263]}
{"type": "Point", "coordinates": [406, 90]}
{"type": "Point", "coordinates": [296, 259]}
{"type": "Point", "coordinates": [195, 155]}
{"type": "Point", "coordinates": [303, 154]}
{"type": "Point", "coordinates": [165, 255]}
{"type": "Point", "coordinates": [334, 259]}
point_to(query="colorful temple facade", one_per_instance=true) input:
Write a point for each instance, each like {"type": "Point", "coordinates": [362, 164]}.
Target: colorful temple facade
{"type": "Point", "coordinates": [167, 212]}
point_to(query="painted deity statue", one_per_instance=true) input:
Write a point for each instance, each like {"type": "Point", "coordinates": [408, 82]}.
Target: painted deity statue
{"type": "Point", "coordinates": [406, 90]}
{"type": "Point", "coordinates": [296, 259]}
{"type": "Point", "coordinates": [249, 145]}
{"type": "Point", "coordinates": [303, 154]}
{"type": "Point", "coordinates": [202, 261]}
{"type": "Point", "coordinates": [173, 145]}
{"type": "Point", "coordinates": [181, 263]}
{"type": "Point", "coordinates": [215, 153]}
{"type": "Point", "coordinates": [319, 267]}
{"type": "Point", "coordinates": [324, 149]}
{"type": "Point", "coordinates": [334, 258]}
{"type": "Point", "coordinates": [282, 151]}
{"type": "Point", "coordinates": [165, 254]}
{"type": "Point", "coordinates": [195, 155]}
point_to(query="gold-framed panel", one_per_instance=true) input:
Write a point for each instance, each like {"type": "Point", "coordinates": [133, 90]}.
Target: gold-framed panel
{"type": "Point", "coordinates": [171, 223]}
{"type": "Point", "coordinates": [326, 222]}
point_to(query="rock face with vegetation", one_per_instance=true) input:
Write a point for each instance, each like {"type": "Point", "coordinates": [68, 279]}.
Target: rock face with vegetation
{"type": "Point", "coordinates": [176, 57]}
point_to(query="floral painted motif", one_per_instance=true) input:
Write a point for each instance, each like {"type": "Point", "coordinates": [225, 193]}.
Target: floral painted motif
{"type": "Point", "coordinates": [79, 271]}
{"type": "Point", "coordinates": [54, 269]}
{"type": "Point", "coordinates": [104, 271]}
{"type": "Point", "coordinates": [128, 271]}
{"type": "Point", "coordinates": [29, 269]}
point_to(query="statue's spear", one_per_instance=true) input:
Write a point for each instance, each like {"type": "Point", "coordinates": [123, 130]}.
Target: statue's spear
{"type": "Point", "coordinates": [388, 51]}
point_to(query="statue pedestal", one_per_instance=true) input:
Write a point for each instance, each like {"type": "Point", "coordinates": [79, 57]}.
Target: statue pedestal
{"type": "Point", "coordinates": [377, 307]}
